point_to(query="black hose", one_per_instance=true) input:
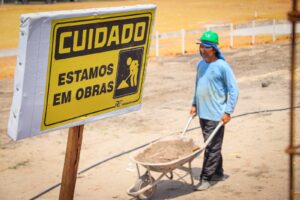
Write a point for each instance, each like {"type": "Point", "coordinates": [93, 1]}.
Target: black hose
{"type": "Point", "coordinates": [136, 148]}
{"type": "Point", "coordinates": [101, 162]}
{"type": "Point", "coordinates": [264, 111]}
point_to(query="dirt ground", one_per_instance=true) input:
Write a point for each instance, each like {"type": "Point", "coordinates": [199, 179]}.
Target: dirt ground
{"type": "Point", "coordinates": [254, 144]}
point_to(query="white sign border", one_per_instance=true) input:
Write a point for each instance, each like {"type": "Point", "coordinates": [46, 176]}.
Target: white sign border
{"type": "Point", "coordinates": [28, 99]}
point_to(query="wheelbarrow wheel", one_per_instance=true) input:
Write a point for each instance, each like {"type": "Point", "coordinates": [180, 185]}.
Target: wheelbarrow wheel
{"type": "Point", "coordinates": [142, 182]}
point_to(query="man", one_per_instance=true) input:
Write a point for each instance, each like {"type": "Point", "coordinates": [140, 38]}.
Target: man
{"type": "Point", "coordinates": [216, 95]}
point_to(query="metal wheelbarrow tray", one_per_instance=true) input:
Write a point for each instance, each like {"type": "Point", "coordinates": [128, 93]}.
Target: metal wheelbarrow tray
{"type": "Point", "coordinates": [145, 186]}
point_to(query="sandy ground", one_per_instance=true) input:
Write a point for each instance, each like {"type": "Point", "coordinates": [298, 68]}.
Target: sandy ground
{"type": "Point", "coordinates": [253, 149]}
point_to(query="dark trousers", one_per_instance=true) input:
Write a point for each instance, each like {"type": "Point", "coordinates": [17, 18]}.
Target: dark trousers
{"type": "Point", "coordinates": [213, 162]}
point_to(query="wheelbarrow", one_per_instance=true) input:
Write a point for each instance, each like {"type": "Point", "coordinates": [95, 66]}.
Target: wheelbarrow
{"type": "Point", "coordinates": [146, 185]}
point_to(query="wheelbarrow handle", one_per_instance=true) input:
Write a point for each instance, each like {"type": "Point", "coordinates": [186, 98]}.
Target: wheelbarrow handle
{"type": "Point", "coordinates": [212, 135]}
{"type": "Point", "coordinates": [186, 126]}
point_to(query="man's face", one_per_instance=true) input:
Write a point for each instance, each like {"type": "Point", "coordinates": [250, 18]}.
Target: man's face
{"type": "Point", "coordinates": [208, 53]}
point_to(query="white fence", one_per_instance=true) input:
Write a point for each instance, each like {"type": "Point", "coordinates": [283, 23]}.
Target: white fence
{"type": "Point", "coordinates": [231, 32]}
{"type": "Point", "coordinates": [254, 29]}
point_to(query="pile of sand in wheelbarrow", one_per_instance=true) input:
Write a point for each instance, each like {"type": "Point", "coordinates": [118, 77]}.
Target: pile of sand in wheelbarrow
{"type": "Point", "coordinates": [166, 151]}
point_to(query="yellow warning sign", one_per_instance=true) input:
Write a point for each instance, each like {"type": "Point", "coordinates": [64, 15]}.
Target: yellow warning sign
{"type": "Point", "coordinates": [96, 65]}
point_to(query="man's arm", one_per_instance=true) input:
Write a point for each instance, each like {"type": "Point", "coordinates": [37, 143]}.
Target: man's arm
{"type": "Point", "coordinates": [233, 93]}
{"type": "Point", "coordinates": [193, 111]}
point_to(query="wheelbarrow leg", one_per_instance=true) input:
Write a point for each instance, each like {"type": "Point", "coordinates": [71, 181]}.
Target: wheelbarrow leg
{"type": "Point", "coordinates": [190, 170]}
{"type": "Point", "coordinates": [138, 170]}
{"type": "Point", "coordinates": [149, 174]}
{"type": "Point", "coordinates": [171, 175]}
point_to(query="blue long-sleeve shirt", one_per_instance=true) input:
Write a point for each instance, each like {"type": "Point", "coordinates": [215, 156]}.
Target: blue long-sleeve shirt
{"type": "Point", "coordinates": [216, 90]}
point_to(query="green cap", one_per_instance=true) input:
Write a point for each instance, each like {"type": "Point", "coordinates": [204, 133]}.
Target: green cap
{"type": "Point", "coordinates": [210, 36]}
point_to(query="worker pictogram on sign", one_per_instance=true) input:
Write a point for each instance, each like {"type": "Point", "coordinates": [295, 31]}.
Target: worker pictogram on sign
{"type": "Point", "coordinates": [128, 75]}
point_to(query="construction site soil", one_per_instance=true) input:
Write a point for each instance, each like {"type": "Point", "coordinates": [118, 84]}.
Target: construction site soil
{"type": "Point", "coordinates": [253, 150]}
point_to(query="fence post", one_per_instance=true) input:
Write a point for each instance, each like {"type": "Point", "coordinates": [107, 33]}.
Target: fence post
{"type": "Point", "coordinates": [182, 41]}
{"type": "Point", "coordinates": [231, 35]}
{"type": "Point", "coordinates": [156, 44]}
{"type": "Point", "coordinates": [255, 14]}
{"type": "Point", "coordinates": [274, 30]}
{"type": "Point", "coordinates": [253, 33]}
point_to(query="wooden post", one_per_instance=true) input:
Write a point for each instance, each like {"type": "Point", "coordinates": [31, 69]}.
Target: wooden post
{"type": "Point", "coordinates": [231, 35]}
{"type": "Point", "coordinates": [182, 41]}
{"type": "Point", "coordinates": [274, 30]}
{"type": "Point", "coordinates": [71, 163]}
{"type": "Point", "coordinates": [253, 33]}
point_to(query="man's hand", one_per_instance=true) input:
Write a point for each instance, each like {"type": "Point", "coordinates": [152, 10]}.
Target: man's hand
{"type": "Point", "coordinates": [193, 111]}
{"type": "Point", "coordinates": [226, 118]}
